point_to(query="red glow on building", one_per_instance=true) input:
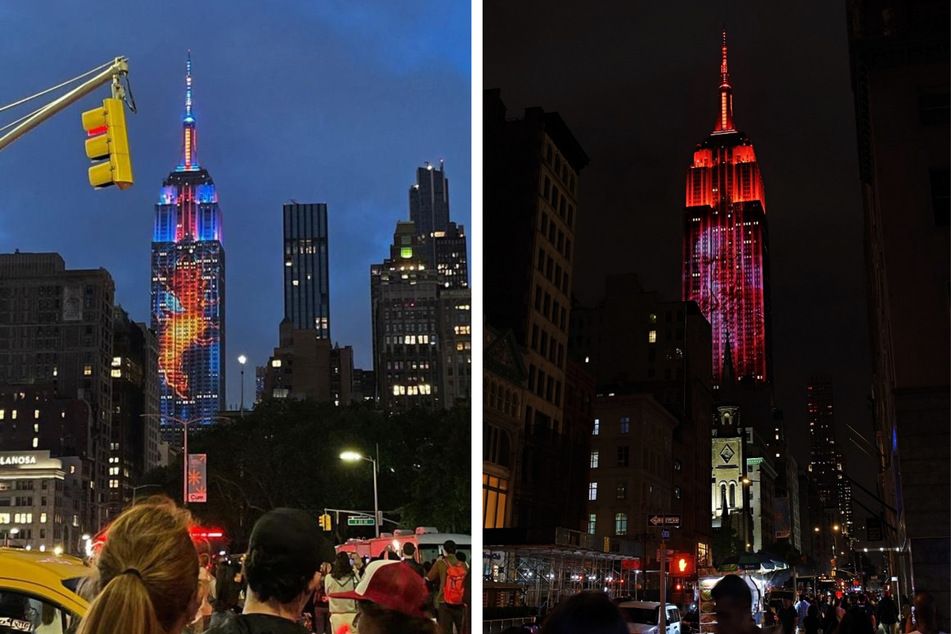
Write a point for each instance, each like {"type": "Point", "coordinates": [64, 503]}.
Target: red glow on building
{"type": "Point", "coordinates": [725, 242]}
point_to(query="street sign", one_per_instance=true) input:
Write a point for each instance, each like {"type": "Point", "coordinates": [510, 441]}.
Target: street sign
{"type": "Point", "coordinates": [665, 534]}
{"type": "Point", "coordinates": [359, 521]}
{"type": "Point", "coordinates": [668, 521]}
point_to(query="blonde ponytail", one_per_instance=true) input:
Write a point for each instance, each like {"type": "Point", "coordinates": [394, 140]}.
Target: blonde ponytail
{"type": "Point", "coordinates": [148, 571]}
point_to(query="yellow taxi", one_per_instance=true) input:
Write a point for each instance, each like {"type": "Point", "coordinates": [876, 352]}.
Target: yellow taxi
{"type": "Point", "coordinates": [38, 591]}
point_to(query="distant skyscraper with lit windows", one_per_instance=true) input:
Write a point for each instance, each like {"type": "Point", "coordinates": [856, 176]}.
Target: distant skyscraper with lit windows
{"type": "Point", "coordinates": [188, 289]}
{"type": "Point", "coordinates": [306, 275]}
{"type": "Point", "coordinates": [725, 249]}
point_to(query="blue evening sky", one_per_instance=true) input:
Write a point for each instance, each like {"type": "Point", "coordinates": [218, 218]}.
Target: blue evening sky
{"type": "Point", "coordinates": [322, 101]}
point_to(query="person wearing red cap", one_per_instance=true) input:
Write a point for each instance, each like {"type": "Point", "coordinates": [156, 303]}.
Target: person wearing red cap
{"type": "Point", "coordinates": [390, 599]}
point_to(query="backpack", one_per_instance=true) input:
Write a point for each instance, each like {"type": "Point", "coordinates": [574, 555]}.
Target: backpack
{"type": "Point", "coordinates": [454, 588]}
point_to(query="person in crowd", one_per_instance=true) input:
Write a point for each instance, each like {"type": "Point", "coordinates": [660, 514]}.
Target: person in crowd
{"type": "Point", "coordinates": [788, 617]}
{"type": "Point", "coordinates": [802, 609]}
{"type": "Point", "coordinates": [887, 613]}
{"type": "Point", "coordinates": [342, 578]}
{"type": "Point", "coordinates": [588, 612]}
{"type": "Point", "coordinates": [924, 615]}
{"type": "Point", "coordinates": [409, 558]}
{"type": "Point", "coordinates": [811, 623]}
{"type": "Point", "coordinates": [148, 573]}
{"type": "Point", "coordinates": [281, 570]}
{"type": "Point", "coordinates": [449, 603]}
{"type": "Point", "coordinates": [390, 599]}
{"type": "Point", "coordinates": [226, 594]}
{"type": "Point", "coordinates": [856, 621]}
{"type": "Point", "coordinates": [734, 606]}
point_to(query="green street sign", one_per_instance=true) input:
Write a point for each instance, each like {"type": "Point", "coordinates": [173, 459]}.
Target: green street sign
{"type": "Point", "coordinates": [359, 521]}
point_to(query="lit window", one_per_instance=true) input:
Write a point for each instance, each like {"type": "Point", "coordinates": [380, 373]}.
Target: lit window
{"type": "Point", "coordinates": [116, 373]}
{"type": "Point", "coordinates": [597, 426]}
{"type": "Point", "coordinates": [13, 414]}
{"type": "Point", "coordinates": [295, 283]}
{"type": "Point", "coordinates": [3, 414]}
{"type": "Point", "coordinates": [116, 362]}
{"type": "Point", "coordinates": [87, 370]}
{"type": "Point", "coordinates": [594, 459]}
{"type": "Point", "coordinates": [42, 518]}
{"type": "Point", "coordinates": [592, 523]}
{"type": "Point", "coordinates": [652, 336]}
{"type": "Point", "coordinates": [625, 424]}
{"type": "Point", "coordinates": [653, 316]}
{"type": "Point", "coordinates": [36, 442]}
{"type": "Point", "coordinates": [276, 363]}
{"type": "Point", "coordinates": [592, 490]}
{"type": "Point", "coordinates": [36, 413]}
{"type": "Point", "coordinates": [620, 523]}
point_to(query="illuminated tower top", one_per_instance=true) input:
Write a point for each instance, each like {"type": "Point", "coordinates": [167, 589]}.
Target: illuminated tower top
{"type": "Point", "coordinates": [725, 121]}
{"type": "Point", "coordinates": [189, 133]}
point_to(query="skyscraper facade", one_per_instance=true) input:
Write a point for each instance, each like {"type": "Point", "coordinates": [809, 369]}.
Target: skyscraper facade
{"type": "Point", "coordinates": [826, 461]}
{"type": "Point", "coordinates": [188, 289]}
{"type": "Point", "coordinates": [306, 274]}
{"type": "Point", "coordinates": [429, 200]}
{"type": "Point", "coordinates": [725, 250]}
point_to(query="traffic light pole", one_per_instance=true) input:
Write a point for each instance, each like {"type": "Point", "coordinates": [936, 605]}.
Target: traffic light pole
{"type": "Point", "coordinates": [662, 625]}
{"type": "Point", "coordinates": [119, 67]}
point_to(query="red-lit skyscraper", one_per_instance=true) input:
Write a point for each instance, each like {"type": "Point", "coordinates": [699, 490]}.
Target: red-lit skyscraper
{"type": "Point", "coordinates": [726, 268]}
{"type": "Point", "coordinates": [188, 289]}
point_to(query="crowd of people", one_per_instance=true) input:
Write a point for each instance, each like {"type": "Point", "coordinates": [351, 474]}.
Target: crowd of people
{"type": "Point", "coordinates": [150, 579]}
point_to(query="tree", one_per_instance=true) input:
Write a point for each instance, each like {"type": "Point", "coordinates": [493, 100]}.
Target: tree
{"type": "Point", "coordinates": [725, 543]}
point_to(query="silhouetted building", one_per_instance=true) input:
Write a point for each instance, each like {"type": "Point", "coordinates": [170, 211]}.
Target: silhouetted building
{"type": "Point", "coordinates": [188, 289]}
{"type": "Point", "coordinates": [826, 460]}
{"type": "Point", "coordinates": [308, 367]}
{"type": "Point", "coordinates": [306, 271]}
{"type": "Point", "coordinates": [56, 328]}
{"type": "Point", "coordinates": [532, 165]}
{"type": "Point", "coordinates": [134, 449]}
{"type": "Point", "coordinates": [404, 295]}
{"type": "Point", "coordinates": [429, 204]}
{"type": "Point", "coordinates": [725, 250]}
{"type": "Point", "coordinates": [900, 67]}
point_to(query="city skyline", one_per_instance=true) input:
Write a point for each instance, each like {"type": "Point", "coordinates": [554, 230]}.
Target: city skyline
{"type": "Point", "coordinates": [635, 86]}
{"type": "Point", "coordinates": [293, 103]}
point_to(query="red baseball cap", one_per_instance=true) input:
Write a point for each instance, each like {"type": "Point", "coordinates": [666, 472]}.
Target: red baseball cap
{"type": "Point", "coordinates": [391, 585]}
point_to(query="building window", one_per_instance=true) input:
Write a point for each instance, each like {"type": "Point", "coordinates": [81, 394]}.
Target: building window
{"type": "Point", "coordinates": [652, 336]}
{"type": "Point", "coordinates": [592, 523]}
{"type": "Point", "coordinates": [621, 492]}
{"type": "Point", "coordinates": [597, 426]}
{"type": "Point", "coordinates": [623, 455]}
{"type": "Point", "coordinates": [594, 459]}
{"type": "Point", "coordinates": [87, 370]}
{"type": "Point", "coordinates": [677, 493]}
{"type": "Point", "coordinates": [494, 495]}
{"type": "Point", "coordinates": [678, 466]}
{"type": "Point", "coordinates": [620, 523]}
{"type": "Point", "coordinates": [625, 424]}
{"type": "Point", "coordinates": [592, 490]}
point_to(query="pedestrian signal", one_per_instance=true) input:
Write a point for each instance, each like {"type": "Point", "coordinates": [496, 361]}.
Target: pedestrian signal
{"type": "Point", "coordinates": [683, 566]}
{"type": "Point", "coordinates": [108, 142]}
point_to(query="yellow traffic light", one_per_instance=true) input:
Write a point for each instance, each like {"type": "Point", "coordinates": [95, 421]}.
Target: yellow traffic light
{"type": "Point", "coordinates": [325, 522]}
{"type": "Point", "coordinates": [108, 139]}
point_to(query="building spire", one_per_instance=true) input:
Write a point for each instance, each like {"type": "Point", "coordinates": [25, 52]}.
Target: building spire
{"type": "Point", "coordinates": [725, 119]}
{"type": "Point", "coordinates": [189, 133]}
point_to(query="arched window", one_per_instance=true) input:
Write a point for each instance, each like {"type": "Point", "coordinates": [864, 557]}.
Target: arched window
{"type": "Point", "coordinates": [722, 500]}
{"type": "Point", "coordinates": [733, 495]}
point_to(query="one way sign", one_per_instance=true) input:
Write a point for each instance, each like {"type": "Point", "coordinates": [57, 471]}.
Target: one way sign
{"type": "Point", "coordinates": [667, 521]}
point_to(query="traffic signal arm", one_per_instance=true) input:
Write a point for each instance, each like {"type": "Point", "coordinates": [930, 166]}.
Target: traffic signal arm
{"type": "Point", "coordinates": [119, 66]}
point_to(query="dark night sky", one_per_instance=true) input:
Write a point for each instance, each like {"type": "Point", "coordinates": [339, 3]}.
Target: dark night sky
{"type": "Point", "coordinates": [636, 82]}
{"type": "Point", "coordinates": [328, 101]}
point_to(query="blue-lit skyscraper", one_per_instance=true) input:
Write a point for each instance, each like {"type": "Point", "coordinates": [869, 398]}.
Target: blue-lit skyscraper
{"type": "Point", "coordinates": [188, 289]}
{"type": "Point", "coordinates": [306, 275]}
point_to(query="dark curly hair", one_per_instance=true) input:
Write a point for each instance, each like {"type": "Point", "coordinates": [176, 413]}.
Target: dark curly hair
{"type": "Point", "coordinates": [273, 575]}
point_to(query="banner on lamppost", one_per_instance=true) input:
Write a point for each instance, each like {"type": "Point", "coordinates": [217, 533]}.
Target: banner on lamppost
{"type": "Point", "coordinates": [197, 477]}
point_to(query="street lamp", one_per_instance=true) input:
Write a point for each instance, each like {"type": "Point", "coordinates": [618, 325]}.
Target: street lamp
{"type": "Point", "coordinates": [351, 456]}
{"type": "Point", "coordinates": [184, 424]}
{"type": "Point", "coordinates": [242, 360]}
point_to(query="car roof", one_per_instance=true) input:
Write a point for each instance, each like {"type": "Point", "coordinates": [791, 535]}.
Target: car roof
{"type": "Point", "coordinates": [643, 604]}
{"type": "Point", "coordinates": [42, 574]}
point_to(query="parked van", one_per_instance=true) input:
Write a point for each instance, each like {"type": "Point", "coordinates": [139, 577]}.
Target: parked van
{"type": "Point", "coordinates": [643, 617]}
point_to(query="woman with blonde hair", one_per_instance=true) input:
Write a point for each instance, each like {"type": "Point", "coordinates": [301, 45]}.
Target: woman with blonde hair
{"type": "Point", "coordinates": [148, 573]}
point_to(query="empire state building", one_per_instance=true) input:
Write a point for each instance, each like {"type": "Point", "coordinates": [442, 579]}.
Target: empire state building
{"type": "Point", "coordinates": [725, 249]}
{"type": "Point", "coordinates": [188, 289]}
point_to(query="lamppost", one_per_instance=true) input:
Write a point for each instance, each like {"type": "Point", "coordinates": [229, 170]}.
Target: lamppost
{"type": "Point", "coordinates": [184, 424]}
{"type": "Point", "coordinates": [242, 360]}
{"type": "Point", "coordinates": [352, 456]}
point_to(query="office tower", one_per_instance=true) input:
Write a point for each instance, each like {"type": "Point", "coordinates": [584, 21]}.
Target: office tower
{"type": "Point", "coordinates": [57, 331]}
{"type": "Point", "coordinates": [900, 68]}
{"type": "Point", "coordinates": [404, 297]}
{"type": "Point", "coordinates": [306, 274]}
{"type": "Point", "coordinates": [429, 203]}
{"type": "Point", "coordinates": [450, 260]}
{"type": "Point", "coordinates": [188, 289]}
{"type": "Point", "coordinates": [533, 165]}
{"type": "Point", "coordinates": [454, 323]}
{"type": "Point", "coordinates": [134, 449]}
{"type": "Point", "coordinates": [826, 460]}
{"type": "Point", "coordinates": [725, 250]}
